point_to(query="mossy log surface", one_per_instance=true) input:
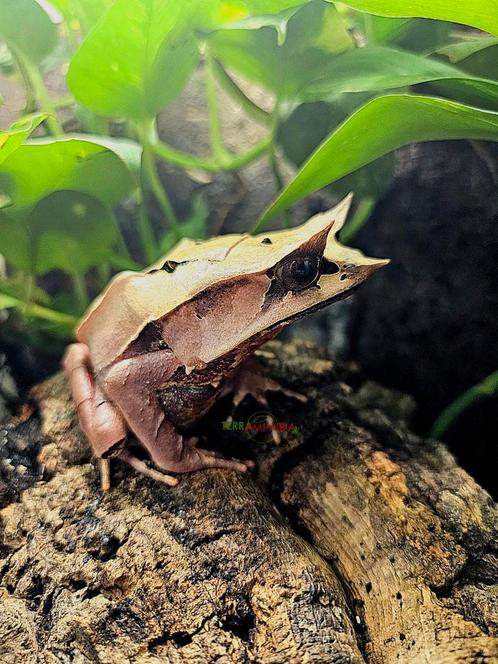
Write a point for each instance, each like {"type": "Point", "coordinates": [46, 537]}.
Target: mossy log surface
{"type": "Point", "coordinates": [353, 541]}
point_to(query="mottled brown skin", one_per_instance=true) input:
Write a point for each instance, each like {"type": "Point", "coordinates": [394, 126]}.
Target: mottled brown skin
{"type": "Point", "coordinates": [173, 370]}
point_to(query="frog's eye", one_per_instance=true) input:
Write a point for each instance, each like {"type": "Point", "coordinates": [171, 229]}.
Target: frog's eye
{"type": "Point", "coordinates": [298, 273]}
{"type": "Point", "coordinates": [168, 266]}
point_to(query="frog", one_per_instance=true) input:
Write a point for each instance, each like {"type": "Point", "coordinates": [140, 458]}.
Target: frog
{"type": "Point", "coordinates": [158, 348]}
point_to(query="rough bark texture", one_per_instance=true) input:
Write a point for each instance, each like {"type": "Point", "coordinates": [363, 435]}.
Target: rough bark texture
{"type": "Point", "coordinates": [355, 541]}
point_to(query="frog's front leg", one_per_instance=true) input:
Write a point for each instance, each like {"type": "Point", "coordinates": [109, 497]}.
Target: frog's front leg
{"type": "Point", "coordinates": [251, 381]}
{"type": "Point", "coordinates": [131, 384]}
{"type": "Point", "coordinates": [99, 419]}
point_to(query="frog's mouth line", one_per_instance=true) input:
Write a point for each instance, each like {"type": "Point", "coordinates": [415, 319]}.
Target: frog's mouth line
{"type": "Point", "coordinates": [317, 307]}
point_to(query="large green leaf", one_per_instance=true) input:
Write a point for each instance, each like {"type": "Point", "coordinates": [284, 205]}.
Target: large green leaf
{"type": "Point", "coordinates": [68, 230]}
{"type": "Point", "coordinates": [306, 127]}
{"type": "Point", "coordinates": [11, 139]}
{"type": "Point", "coordinates": [73, 232]}
{"type": "Point", "coordinates": [137, 58]}
{"type": "Point", "coordinates": [37, 168]}
{"type": "Point", "coordinates": [129, 151]}
{"type": "Point", "coordinates": [382, 125]}
{"type": "Point", "coordinates": [85, 12]}
{"type": "Point", "coordinates": [312, 34]}
{"type": "Point", "coordinates": [27, 28]}
{"type": "Point", "coordinates": [382, 68]}
{"type": "Point", "coordinates": [482, 14]}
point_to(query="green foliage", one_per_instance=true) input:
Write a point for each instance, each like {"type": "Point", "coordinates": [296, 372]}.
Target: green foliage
{"type": "Point", "coordinates": [482, 14]}
{"type": "Point", "coordinates": [154, 52]}
{"type": "Point", "coordinates": [27, 29]}
{"type": "Point", "coordinates": [78, 165]}
{"type": "Point", "coordinates": [326, 65]}
{"type": "Point", "coordinates": [376, 68]}
{"type": "Point", "coordinates": [382, 125]}
{"type": "Point", "coordinates": [13, 138]}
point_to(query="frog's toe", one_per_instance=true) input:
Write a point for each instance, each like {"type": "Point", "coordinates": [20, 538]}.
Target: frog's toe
{"type": "Point", "coordinates": [250, 381]}
{"type": "Point", "coordinates": [141, 467]}
{"type": "Point", "coordinates": [208, 459]}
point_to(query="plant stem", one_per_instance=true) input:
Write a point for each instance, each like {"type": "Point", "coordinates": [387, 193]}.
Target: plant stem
{"type": "Point", "coordinates": [64, 102]}
{"type": "Point", "coordinates": [145, 231]}
{"type": "Point", "coordinates": [184, 160]}
{"type": "Point", "coordinates": [38, 311]}
{"type": "Point", "coordinates": [369, 29]}
{"type": "Point", "coordinates": [251, 155]}
{"type": "Point", "coordinates": [104, 272]}
{"type": "Point", "coordinates": [363, 211]}
{"type": "Point", "coordinates": [448, 417]}
{"type": "Point", "coordinates": [121, 263]}
{"type": "Point", "coordinates": [220, 153]}
{"type": "Point", "coordinates": [279, 183]}
{"type": "Point", "coordinates": [80, 290]}
{"type": "Point", "coordinates": [28, 88]}
{"type": "Point", "coordinates": [120, 241]}
{"type": "Point", "coordinates": [250, 107]}
{"type": "Point", "coordinates": [147, 134]}
{"type": "Point", "coordinates": [37, 84]}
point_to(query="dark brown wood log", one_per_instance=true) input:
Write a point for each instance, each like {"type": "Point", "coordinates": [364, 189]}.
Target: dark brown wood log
{"type": "Point", "coordinates": [355, 541]}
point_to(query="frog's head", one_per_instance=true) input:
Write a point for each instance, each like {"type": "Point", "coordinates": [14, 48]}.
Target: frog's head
{"type": "Point", "coordinates": [255, 285]}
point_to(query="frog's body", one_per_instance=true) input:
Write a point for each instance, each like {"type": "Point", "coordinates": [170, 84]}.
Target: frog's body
{"type": "Point", "coordinates": [158, 348]}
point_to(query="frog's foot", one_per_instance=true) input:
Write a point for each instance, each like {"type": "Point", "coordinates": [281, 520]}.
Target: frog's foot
{"type": "Point", "coordinates": [195, 458]}
{"type": "Point", "coordinates": [141, 467]}
{"type": "Point", "coordinates": [250, 381]}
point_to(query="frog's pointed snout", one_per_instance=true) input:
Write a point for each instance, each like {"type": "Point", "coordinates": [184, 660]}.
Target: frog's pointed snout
{"type": "Point", "coordinates": [366, 266]}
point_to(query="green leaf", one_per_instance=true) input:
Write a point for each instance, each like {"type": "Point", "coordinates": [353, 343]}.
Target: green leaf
{"type": "Point", "coordinates": [27, 28]}
{"type": "Point", "coordinates": [137, 58]}
{"type": "Point", "coordinates": [387, 30]}
{"type": "Point", "coordinates": [382, 125]}
{"type": "Point", "coordinates": [278, 21]}
{"type": "Point", "coordinates": [37, 168]}
{"type": "Point", "coordinates": [482, 14]}
{"type": "Point", "coordinates": [71, 231]}
{"type": "Point", "coordinates": [129, 151]}
{"type": "Point", "coordinates": [307, 126]}
{"type": "Point", "coordinates": [312, 34]}
{"type": "Point", "coordinates": [11, 139]}
{"type": "Point", "coordinates": [66, 229]}
{"type": "Point", "coordinates": [272, 6]}
{"type": "Point", "coordinates": [382, 68]}
{"type": "Point", "coordinates": [82, 14]}
{"type": "Point", "coordinates": [464, 49]}
{"type": "Point", "coordinates": [482, 62]}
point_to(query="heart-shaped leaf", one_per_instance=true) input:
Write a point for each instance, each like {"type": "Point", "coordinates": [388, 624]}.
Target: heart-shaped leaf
{"type": "Point", "coordinates": [27, 28]}
{"type": "Point", "coordinates": [382, 125]}
{"type": "Point", "coordinates": [137, 58]}
{"type": "Point", "coordinates": [40, 167]}
{"type": "Point", "coordinates": [72, 231]}
{"type": "Point", "coordinates": [69, 230]}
